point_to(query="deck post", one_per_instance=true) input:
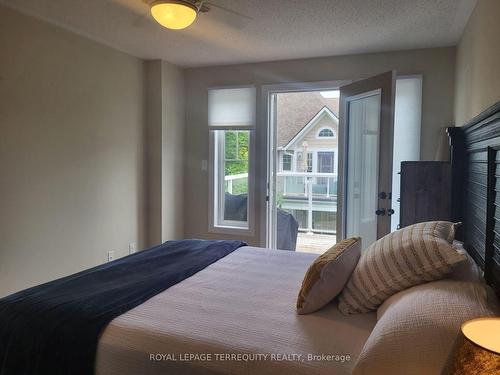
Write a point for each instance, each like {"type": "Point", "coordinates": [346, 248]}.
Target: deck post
{"type": "Point", "coordinates": [310, 207]}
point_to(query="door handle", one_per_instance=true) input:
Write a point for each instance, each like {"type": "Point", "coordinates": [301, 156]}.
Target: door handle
{"type": "Point", "coordinates": [390, 212]}
{"type": "Point", "coordinates": [380, 212]}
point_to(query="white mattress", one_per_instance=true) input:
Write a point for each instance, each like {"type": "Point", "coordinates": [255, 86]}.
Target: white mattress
{"type": "Point", "coordinates": [242, 304]}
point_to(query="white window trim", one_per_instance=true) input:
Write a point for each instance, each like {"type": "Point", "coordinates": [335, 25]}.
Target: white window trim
{"type": "Point", "coordinates": [315, 150]}
{"type": "Point", "coordinates": [221, 183]}
{"type": "Point", "coordinates": [335, 158]}
{"type": "Point", "coordinates": [326, 128]}
{"type": "Point", "coordinates": [229, 227]}
{"type": "Point", "coordinates": [292, 163]}
{"type": "Point", "coordinates": [312, 153]}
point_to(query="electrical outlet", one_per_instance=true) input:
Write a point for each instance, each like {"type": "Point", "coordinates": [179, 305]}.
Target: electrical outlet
{"type": "Point", "coordinates": [132, 248]}
{"type": "Point", "coordinates": [111, 256]}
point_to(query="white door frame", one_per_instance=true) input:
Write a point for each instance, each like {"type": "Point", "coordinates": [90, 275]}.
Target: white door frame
{"type": "Point", "coordinates": [268, 138]}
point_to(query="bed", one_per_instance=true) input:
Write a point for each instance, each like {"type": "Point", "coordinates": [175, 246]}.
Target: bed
{"type": "Point", "coordinates": [244, 303]}
{"type": "Point", "coordinates": [475, 160]}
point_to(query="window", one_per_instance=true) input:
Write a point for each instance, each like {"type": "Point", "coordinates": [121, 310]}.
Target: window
{"type": "Point", "coordinates": [231, 120]}
{"type": "Point", "coordinates": [287, 162]}
{"type": "Point", "coordinates": [231, 167]}
{"type": "Point", "coordinates": [407, 128]}
{"type": "Point", "coordinates": [309, 162]}
{"type": "Point", "coordinates": [326, 133]}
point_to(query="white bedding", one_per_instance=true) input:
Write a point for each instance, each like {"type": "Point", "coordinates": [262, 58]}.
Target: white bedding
{"type": "Point", "coordinates": [242, 304]}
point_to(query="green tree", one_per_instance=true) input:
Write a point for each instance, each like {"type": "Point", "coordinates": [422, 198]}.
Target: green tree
{"type": "Point", "coordinates": [236, 147]}
{"type": "Point", "coordinates": [236, 158]}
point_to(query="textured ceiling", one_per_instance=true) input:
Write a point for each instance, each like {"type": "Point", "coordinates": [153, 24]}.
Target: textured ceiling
{"type": "Point", "coordinates": [270, 30]}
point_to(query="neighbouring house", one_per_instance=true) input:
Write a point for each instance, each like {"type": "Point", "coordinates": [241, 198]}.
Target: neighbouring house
{"type": "Point", "coordinates": [307, 133]}
{"type": "Point", "coordinates": [307, 144]}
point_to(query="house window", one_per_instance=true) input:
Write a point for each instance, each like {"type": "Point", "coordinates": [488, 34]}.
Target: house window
{"type": "Point", "coordinates": [309, 162]}
{"type": "Point", "coordinates": [231, 119]}
{"type": "Point", "coordinates": [326, 133]}
{"type": "Point", "coordinates": [287, 162]}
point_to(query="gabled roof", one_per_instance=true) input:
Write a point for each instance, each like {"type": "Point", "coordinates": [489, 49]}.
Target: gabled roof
{"type": "Point", "coordinates": [325, 111]}
{"type": "Point", "coordinates": [296, 109]}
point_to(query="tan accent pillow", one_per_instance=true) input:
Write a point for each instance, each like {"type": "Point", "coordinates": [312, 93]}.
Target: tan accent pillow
{"type": "Point", "coordinates": [326, 277]}
{"type": "Point", "coordinates": [402, 259]}
{"type": "Point", "coordinates": [417, 327]}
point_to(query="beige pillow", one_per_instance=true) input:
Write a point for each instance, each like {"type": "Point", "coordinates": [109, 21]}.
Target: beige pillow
{"type": "Point", "coordinates": [417, 327]}
{"type": "Point", "coordinates": [410, 256]}
{"type": "Point", "coordinates": [326, 277]}
{"type": "Point", "coordinates": [467, 270]}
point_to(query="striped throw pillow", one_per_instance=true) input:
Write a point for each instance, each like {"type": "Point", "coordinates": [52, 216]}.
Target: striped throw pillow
{"type": "Point", "coordinates": [402, 259]}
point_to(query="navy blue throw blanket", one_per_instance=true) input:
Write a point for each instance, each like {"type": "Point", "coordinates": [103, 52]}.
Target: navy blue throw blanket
{"type": "Point", "coordinates": [54, 328]}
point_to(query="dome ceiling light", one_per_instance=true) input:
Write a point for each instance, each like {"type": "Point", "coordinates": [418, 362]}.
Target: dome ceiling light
{"type": "Point", "coordinates": [176, 14]}
{"type": "Point", "coordinates": [179, 14]}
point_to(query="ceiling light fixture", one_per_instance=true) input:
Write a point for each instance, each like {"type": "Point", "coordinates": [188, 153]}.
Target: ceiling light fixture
{"type": "Point", "coordinates": [174, 14]}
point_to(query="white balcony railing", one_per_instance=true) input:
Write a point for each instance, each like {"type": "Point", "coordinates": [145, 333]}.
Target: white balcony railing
{"type": "Point", "coordinates": [304, 184]}
{"type": "Point", "coordinates": [231, 178]}
{"type": "Point", "coordinates": [297, 183]}
{"type": "Point", "coordinates": [301, 186]}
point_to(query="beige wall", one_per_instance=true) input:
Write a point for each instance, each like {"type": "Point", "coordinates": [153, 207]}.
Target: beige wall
{"type": "Point", "coordinates": [173, 127]}
{"type": "Point", "coordinates": [153, 152]}
{"type": "Point", "coordinates": [165, 117]}
{"type": "Point", "coordinates": [436, 65]}
{"type": "Point", "coordinates": [165, 123]}
{"type": "Point", "coordinates": [71, 145]}
{"type": "Point", "coordinates": [73, 141]}
{"type": "Point", "coordinates": [478, 62]}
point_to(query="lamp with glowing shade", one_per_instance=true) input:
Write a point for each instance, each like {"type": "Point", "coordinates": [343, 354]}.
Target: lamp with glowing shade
{"type": "Point", "coordinates": [174, 14]}
{"type": "Point", "coordinates": [477, 349]}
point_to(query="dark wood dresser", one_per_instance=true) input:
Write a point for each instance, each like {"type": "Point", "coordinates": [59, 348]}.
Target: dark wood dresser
{"type": "Point", "coordinates": [425, 192]}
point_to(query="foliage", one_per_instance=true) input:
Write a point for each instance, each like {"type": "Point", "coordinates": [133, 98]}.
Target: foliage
{"type": "Point", "coordinates": [236, 158]}
{"type": "Point", "coordinates": [236, 147]}
{"type": "Point", "coordinates": [280, 199]}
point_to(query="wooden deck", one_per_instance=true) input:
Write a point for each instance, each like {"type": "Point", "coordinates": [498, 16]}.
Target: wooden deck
{"type": "Point", "coordinates": [315, 243]}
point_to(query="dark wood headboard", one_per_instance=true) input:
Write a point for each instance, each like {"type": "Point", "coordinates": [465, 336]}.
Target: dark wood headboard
{"type": "Point", "coordinates": [475, 156]}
